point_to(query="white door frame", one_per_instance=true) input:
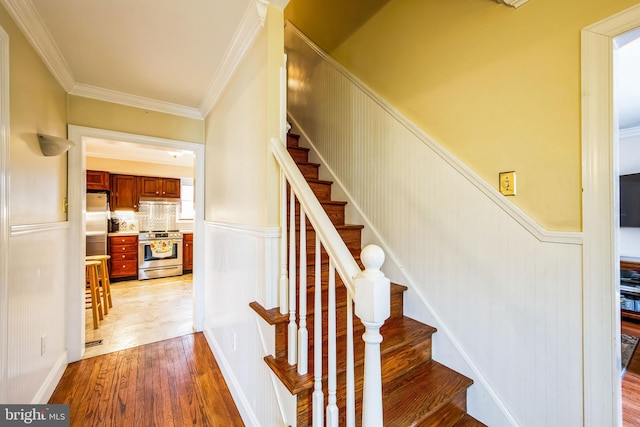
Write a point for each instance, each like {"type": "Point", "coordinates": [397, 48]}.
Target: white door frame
{"type": "Point", "coordinates": [601, 345]}
{"type": "Point", "coordinates": [77, 204]}
{"type": "Point", "coordinates": [4, 211]}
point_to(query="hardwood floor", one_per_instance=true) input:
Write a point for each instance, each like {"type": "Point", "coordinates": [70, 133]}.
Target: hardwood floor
{"type": "Point", "coordinates": [631, 381]}
{"type": "Point", "coordinates": [175, 382]}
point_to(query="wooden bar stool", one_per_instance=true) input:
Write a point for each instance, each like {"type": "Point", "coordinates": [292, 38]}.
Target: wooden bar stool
{"type": "Point", "coordinates": [104, 281]}
{"type": "Point", "coordinates": [96, 304]}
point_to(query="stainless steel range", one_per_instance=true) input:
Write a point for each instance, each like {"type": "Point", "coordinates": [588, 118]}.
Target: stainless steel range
{"type": "Point", "coordinates": [159, 254]}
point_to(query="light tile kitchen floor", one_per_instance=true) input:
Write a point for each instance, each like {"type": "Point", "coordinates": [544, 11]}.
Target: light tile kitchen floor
{"type": "Point", "coordinates": [144, 311]}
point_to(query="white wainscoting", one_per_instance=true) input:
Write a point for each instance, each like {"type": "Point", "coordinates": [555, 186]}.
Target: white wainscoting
{"type": "Point", "coordinates": [504, 293]}
{"type": "Point", "coordinates": [36, 308]}
{"type": "Point", "coordinates": [237, 262]}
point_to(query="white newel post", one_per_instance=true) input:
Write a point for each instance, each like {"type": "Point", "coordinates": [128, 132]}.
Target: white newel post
{"type": "Point", "coordinates": [373, 308]}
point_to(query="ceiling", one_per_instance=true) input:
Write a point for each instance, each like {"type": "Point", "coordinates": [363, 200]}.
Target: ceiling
{"type": "Point", "coordinates": [627, 101]}
{"type": "Point", "coordinates": [165, 55]}
{"type": "Point", "coordinates": [119, 150]}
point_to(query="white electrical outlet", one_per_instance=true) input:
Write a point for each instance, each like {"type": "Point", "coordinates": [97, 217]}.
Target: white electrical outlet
{"type": "Point", "coordinates": [43, 344]}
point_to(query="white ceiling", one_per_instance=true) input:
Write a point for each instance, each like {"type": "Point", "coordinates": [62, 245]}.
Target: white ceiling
{"type": "Point", "coordinates": [627, 101]}
{"type": "Point", "coordinates": [119, 150]}
{"type": "Point", "coordinates": [627, 72]}
{"type": "Point", "coordinates": [164, 55]}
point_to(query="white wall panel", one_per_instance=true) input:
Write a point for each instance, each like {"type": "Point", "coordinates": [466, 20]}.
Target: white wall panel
{"type": "Point", "coordinates": [235, 275]}
{"type": "Point", "coordinates": [504, 293]}
{"type": "Point", "coordinates": [36, 307]}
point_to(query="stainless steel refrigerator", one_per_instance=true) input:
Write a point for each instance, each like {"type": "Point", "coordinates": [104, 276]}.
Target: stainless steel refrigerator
{"type": "Point", "coordinates": [96, 220]}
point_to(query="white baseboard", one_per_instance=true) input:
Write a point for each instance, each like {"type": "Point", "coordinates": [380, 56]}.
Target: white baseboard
{"type": "Point", "coordinates": [246, 412]}
{"type": "Point", "coordinates": [51, 382]}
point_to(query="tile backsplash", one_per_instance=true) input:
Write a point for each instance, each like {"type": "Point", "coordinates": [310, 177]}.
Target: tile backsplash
{"type": "Point", "coordinates": [151, 216]}
{"type": "Point", "coordinates": [157, 216]}
{"type": "Point", "coordinates": [128, 220]}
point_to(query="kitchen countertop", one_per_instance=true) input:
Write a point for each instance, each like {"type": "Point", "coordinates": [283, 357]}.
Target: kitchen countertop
{"type": "Point", "coordinates": [135, 233]}
{"type": "Point", "coordinates": [123, 233]}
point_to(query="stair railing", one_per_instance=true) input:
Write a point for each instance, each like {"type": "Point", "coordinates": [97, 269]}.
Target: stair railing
{"type": "Point", "coordinates": [369, 290]}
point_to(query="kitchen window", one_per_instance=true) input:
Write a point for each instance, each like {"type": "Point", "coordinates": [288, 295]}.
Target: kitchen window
{"type": "Point", "coordinates": [187, 204]}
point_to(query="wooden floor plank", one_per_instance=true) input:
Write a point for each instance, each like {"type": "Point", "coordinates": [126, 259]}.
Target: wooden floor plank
{"type": "Point", "coordinates": [172, 382]}
{"type": "Point", "coordinates": [631, 381]}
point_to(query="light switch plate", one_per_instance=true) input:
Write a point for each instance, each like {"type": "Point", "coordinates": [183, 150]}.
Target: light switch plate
{"type": "Point", "coordinates": [508, 183]}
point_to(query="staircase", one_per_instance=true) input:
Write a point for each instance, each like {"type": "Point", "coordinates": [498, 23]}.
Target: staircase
{"type": "Point", "coordinates": [416, 390]}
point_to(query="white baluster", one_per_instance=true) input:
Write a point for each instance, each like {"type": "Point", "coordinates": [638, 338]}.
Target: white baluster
{"type": "Point", "coordinates": [332, 407]}
{"type": "Point", "coordinates": [373, 308]}
{"type": "Point", "coordinates": [318, 395]}
{"type": "Point", "coordinates": [293, 328]}
{"type": "Point", "coordinates": [351, 392]}
{"type": "Point", "coordinates": [303, 333]}
{"type": "Point", "coordinates": [284, 280]}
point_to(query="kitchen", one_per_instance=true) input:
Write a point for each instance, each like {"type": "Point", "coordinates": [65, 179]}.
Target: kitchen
{"type": "Point", "coordinates": [139, 211]}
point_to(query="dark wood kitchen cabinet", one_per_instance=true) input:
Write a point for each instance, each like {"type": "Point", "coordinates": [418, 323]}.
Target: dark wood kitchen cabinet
{"type": "Point", "coordinates": [150, 186]}
{"type": "Point", "coordinates": [187, 252]}
{"type": "Point", "coordinates": [124, 194]}
{"type": "Point", "coordinates": [124, 256]}
{"type": "Point", "coordinates": [98, 180]}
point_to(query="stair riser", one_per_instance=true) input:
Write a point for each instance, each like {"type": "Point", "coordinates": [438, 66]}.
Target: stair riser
{"type": "Point", "coordinates": [322, 190]}
{"type": "Point", "coordinates": [396, 298]}
{"type": "Point", "coordinates": [299, 155]}
{"type": "Point", "coordinates": [282, 331]}
{"type": "Point", "coordinates": [350, 236]}
{"type": "Point", "coordinates": [293, 140]}
{"type": "Point", "coordinates": [334, 212]}
{"type": "Point", "coordinates": [309, 170]}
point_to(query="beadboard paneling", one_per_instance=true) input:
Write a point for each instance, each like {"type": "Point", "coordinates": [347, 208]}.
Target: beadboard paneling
{"type": "Point", "coordinates": [504, 293]}
{"type": "Point", "coordinates": [36, 306]}
{"type": "Point", "coordinates": [236, 259]}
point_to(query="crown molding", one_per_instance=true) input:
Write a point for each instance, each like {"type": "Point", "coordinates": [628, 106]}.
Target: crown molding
{"type": "Point", "coordinates": [245, 35]}
{"type": "Point", "coordinates": [249, 28]}
{"type": "Point", "coordinates": [629, 132]}
{"type": "Point", "coordinates": [513, 3]}
{"type": "Point", "coordinates": [28, 20]}
{"type": "Point", "coordinates": [262, 6]}
{"type": "Point", "coordinates": [136, 101]}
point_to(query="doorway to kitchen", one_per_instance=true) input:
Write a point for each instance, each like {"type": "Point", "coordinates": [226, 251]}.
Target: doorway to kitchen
{"type": "Point", "coordinates": [77, 202]}
{"type": "Point", "coordinates": [601, 302]}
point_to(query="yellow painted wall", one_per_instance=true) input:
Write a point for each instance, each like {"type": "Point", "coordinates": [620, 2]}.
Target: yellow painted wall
{"type": "Point", "coordinates": [241, 176]}
{"type": "Point", "coordinates": [329, 22]}
{"type": "Point", "coordinates": [122, 118]}
{"type": "Point", "coordinates": [498, 87]}
{"type": "Point", "coordinates": [37, 184]}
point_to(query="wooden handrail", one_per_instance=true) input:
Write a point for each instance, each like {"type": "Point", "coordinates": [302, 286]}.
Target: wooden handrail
{"type": "Point", "coordinates": [345, 264]}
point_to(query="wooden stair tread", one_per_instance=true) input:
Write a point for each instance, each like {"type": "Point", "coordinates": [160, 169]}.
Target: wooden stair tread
{"type": "Point", "coordinates": [293, 147]}
{"type": "Point", "coordinates": [405, 404]}
{"type": "Point", "coordinates": [324, 202]}
{"type": "Point", "coordinates": [468, 421]}
{"type": "Point", "coordinates": [396, 334]}
{"type": "Point", "coordinates": [274, 317]}
{"type": "Point", "coordinates": [307, 163]}
{"type": "Point", "coordinates": [271, 316]}
{"type": "Point", "coordinates": [337, 226]}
